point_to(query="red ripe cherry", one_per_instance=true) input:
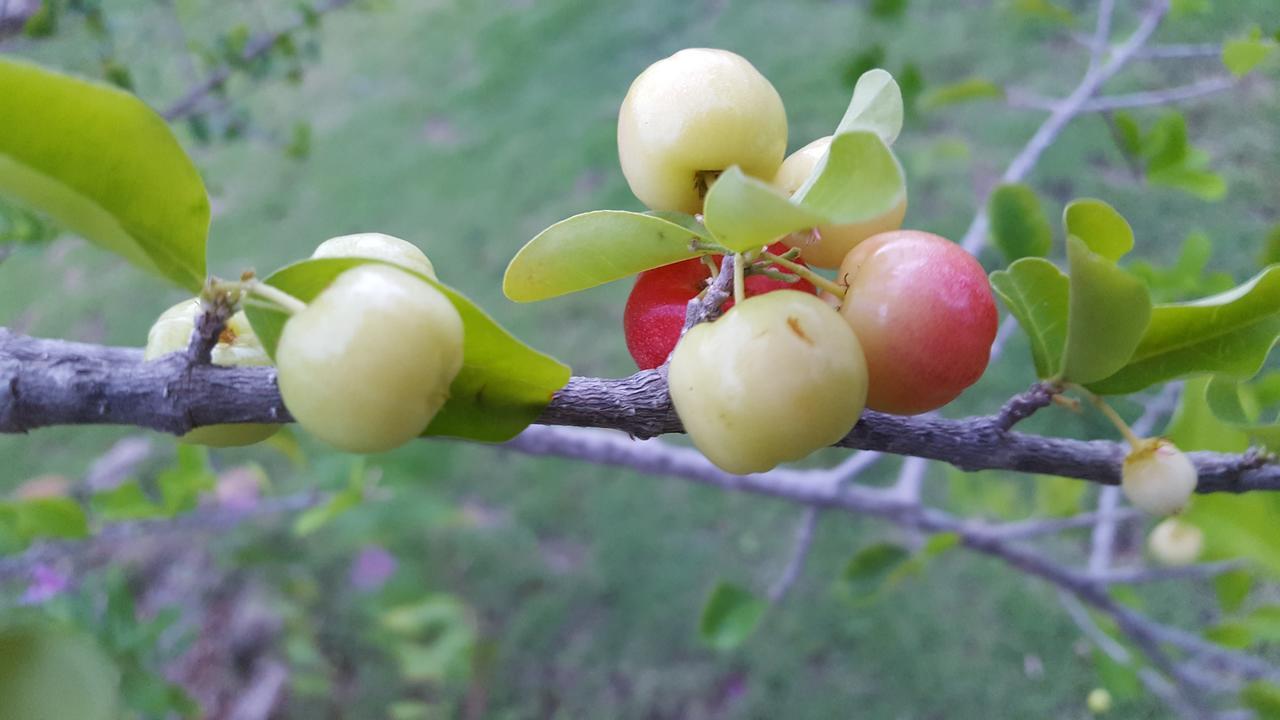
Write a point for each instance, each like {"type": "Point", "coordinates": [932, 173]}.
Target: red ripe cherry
{"type": "Point", "coordinates": [655, 309]}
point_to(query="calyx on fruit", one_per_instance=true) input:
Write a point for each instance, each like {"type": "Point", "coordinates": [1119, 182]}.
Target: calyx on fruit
{"type": "Point", "coordinates": [922, 308]}
{"type": "Point", "coordinates": [368, 363]}
{"type": "Point", "coordinates": [1158, 477]}
{"type": "Point", "coordinates": [692, 115]}
{"type": "Point", "coordinates": [655, 310]}
{"type": "Point", "coordinates": [776, 378]}
{"type": "Point", "coordinates": [377, 246]}
{"type": "Point", "coordinates": [828, 246]}
{"type": "Point", "coordinates": [237, 346]}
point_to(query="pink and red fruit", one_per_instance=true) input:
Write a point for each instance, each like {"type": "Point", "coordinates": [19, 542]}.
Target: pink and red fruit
{"type": "Point", "coordinates": [922, 308]}
{"type": "Point", "coordinates": [655, 309]}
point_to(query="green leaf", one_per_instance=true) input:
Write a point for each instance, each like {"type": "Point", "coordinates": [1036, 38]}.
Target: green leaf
{"type": "Point", "coordinates": [887, 9]}
{"type": "Point", "coordinates": [858, 179]}
{"type": "Point", "coordinates": [1263, 623]}
{"type": "Point", "coordinates": [105, 166]}
{"type": "Point", "coordinates": [873, 568]}
{"type": "Point", "coordinates": [1058, 496]}
{"type": "Point", "coordinates": [44, 21]}
{"type": "Point", "coordinates": [1166, 145]}
{"type": "Point", "coordinates": [940, 543]}
{"type": "Point", "coordinates": [1230, 634]}
{"type": "Point", "coordinates": [1237, 527]}
{"type": "Point", "coordinates": [438, 638]}
{"type": "Point", "coordinates": [876, 106]}
{"type": "Point", "coordinates": [1229, 333]}
{"type": "Point", "coordinates": [1263, 698]}
{"type": "Point", "coordinates": [51, 672]}
{"type": "Point", "coordinates": [503, 385]}
{"type": "Point", "coordinates": [969, 90]}
{"type": "Point", "coordinates": [1223, 396]}
{"type": "Point", "coordinates": [314, 518]}
{"type": "Point", "coordinates": [1044, 10]}
{"type": "Point", "coordinates": [1109, 311]}
{"type": "Point", "coordinates": [1242, 55]}
{"type": "Point", "coordinates": [743, 213]}
{"type": "Point", "coordinates": [1128, 134]}
{"type": "Point", "coordinates": [1271, 247]}
{"type": "Point", "coordinates": [1195, 427]}
{"type": "Point", "coordinates": [592, 249]}
{"type": "Point", "coordinates": [1102, 229]}
{"type": "Point", "coordinates": [1204, 184]}
{"type": "Point", "coordinates": [1187, 277]}
{"type": "Point", "coordinates": [47, 517]}
{"type": "Point", "coordinates": [128, 501]}
{"type": "Point", "coordinates": [729, 616]}
{"type": "Point", "coordinates": [1232, 587]}
{"type": "Point", "coordinates": [1180, 9]}
{"type": "Point", "coordinates": [181, 485]}
{"type": "Point", "coordinates": [1037, 293]}
{"type": "Point", "coordinates": [1019, 225]}
{"type": "Point", "coordinates": [1120, 679]}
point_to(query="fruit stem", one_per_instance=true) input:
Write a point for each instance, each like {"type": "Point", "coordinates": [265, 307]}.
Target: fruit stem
{"type": "Point", "coordinates": [739, 278]}
{"type": "Point", "coordinates": [806, 273]}
{"type": "Point", "coordinates": [711, 266]}
{"type": "Point", "coordinates": [1129, 435]}
{"type": "Point", "coordinates": [280, 298]}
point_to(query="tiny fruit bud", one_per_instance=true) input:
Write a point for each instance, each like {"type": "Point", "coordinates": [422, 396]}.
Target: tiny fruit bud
{"type": "Point", "coordinates": [368, 363]}
{"type": "Point", "coordinates": [237, 346]}
{"type": "Point", "coordinates": [1158, 477]}
{"type": "Point", "coordinates": [377, 246]}
{"type": "Point", "coordinates": [1176, 542]}
{"type": "Point", "coordinates": [776, 378]}
{"type": "Point", "coordinates": [1099, 701]}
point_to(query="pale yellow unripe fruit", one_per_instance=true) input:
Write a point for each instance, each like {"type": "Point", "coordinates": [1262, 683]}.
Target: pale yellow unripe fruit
{"type": "Point", "coordinates": [1158, 477]}
{"type": "Point", "coordinates": [690, 116]}
{"type": "Point", "coordinates": [1176, 542]}
{"type": "Point", "coordinates": [829, 246]}
{"type": "Point", "coordinates": [777, 377]}
{"type": "Point", "coordinates": [237, 345]}
{"type": "Point", "coordinates": [368, 363]}
{"type": "Point", "coordinates": [376, 246]}
{"type": "Point", "coordinates": [1099, 701]}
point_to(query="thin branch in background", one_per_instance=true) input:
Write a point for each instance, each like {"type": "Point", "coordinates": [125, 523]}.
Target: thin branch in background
{"type": "Point", "coordinates": [1102, 33]}
{"type": "Point", "coordinates": [1021, 165]}
{"type": "Point", "coordinates": [803, 542]}
{"type": "Point", "coordinates": [1029, 529]}
{"type": "Point", "coordinates": [1178, 51]}
{"type": "Point", "coordinates": [1166, 96]}
{"type": "Point", "coordinates": [256, 47]}
{"type": "Point", "coordinates": [1143, 575]}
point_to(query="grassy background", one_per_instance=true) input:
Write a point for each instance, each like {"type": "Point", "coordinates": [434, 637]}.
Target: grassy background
{"type": "Point", "coordinates": [468, 126]}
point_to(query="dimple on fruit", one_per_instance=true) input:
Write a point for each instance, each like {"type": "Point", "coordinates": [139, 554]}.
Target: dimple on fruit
{"type": "Point", "coordinates": [368, 363]}
{"type": "Point", "coordinates": [377, 246]}
{"type": "Point", "coordinates": [922, 308]}
{"type": "Point", "coordinates": [237, 346]}
{"type": "Point", "coordinates": [692, 115]}
{"type": "Point", "coordinates": [1158, 477]}
{"type": "Point", "coordinates": [828, 245]}
{"type": "Point", "coordinates": [776, 378]}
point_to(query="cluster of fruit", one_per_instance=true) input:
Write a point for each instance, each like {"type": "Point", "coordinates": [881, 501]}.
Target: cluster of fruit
{"type": "Point", "coordinates": [378, 320]}
{"type": "Point", "coordinates": [785, 372]}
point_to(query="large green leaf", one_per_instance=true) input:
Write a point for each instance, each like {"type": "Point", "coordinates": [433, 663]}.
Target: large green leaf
{"type": "Point", "coordinates": [876, 106]}
{"type": "Point", "coordinates": [1109, 311]}
{"type": "Point", "coordinates": [1241, 55]}
{"type": "Point", "coordinates": [1229, 333]}
{"type": "Point", "coordinates": [105, 166]}
{"type": "Point", "coordinates": [744, 213]}
{"type": "Point", "coordinates": [1195, 427]}
{"type": "Point", "coordinates": [1239, 527]}
{"type": "Point", "coordinates": [502, 387]}
{"type": "Point", "coordinates": [858, 179]}
{"type": "Point", "coordinates": [1018, 223]}
{"type": "Point", "coordinates": [1037, 294]}
{"type": "Point", "coordinates": [1232, 403]}
{"type": "Point", "coordinates": [594, 248]}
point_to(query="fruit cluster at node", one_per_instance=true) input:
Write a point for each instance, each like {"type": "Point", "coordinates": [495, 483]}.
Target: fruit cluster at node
{"type": "Point", "coordinates": [907, 322]}
{"type": "Point", "coordinates": [364, 366]}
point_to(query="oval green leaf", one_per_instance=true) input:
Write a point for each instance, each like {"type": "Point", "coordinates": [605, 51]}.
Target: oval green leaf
{"type": "Point", "coordinates": [104, 166]}
{"type": "Point", "coordinates": [876, 106]}
{"type": "Point", "coordinates": [1109, 312]}
{"type": "Point", "coordinates": [1103, 230]}
{"type": "Point", "coordinates": [1226, 398]}
{"type": "Point", "coordinates": [1037, 293]}
{"type": "Point", "coordinates": [594, 248]}
{"type": "Point", "coordinates": [729, 616]}
{"type": "Point", "coordinates": [963, 91]}
{"type": "Point", "coordinates": [1229, 333]}
{"type": "Point", "coordinates": [1019, 225]}
{"type": "Point", "coordinates": [858, 179]}
{"type": "Point", "coordinates": [743, 213]}
{"type": "Point", "coordinates": [502, 387]}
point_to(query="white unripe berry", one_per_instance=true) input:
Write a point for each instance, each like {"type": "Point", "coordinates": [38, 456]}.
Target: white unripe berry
{"type": "Point", "coordinates": [1176, 542]}
{"type": "Point", "coordinates": [1158, 477]}
{"type": "Point", "coordinates": [1099, 701]}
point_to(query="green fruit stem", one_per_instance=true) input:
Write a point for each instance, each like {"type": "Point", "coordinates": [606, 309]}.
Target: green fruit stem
{"type": "Point", "coordinates": [804, 272]}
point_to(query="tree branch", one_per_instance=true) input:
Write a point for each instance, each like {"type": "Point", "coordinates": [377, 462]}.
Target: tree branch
{"type": "Point", "coordinates": [54, 382]}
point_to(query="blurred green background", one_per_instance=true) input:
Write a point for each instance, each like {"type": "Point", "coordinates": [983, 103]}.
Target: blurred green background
{"type": "Point", "coordinates": [468, 126]}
